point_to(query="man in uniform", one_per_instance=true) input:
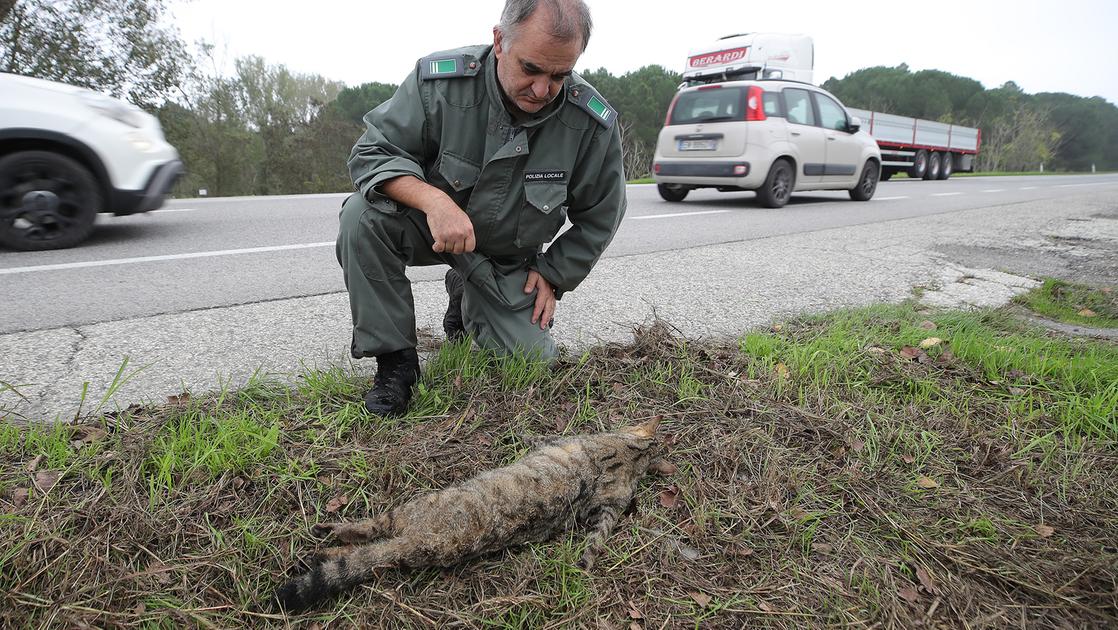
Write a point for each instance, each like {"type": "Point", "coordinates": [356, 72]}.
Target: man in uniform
{"type": "Point", "coordinates": [476, 162]}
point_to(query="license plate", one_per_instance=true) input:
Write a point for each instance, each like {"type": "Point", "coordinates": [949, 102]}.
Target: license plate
{"type": "Point", "coordinates": [698, 145]}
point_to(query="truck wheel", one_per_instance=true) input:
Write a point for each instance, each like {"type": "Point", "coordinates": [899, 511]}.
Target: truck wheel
{"type": "Point", "coordinates": [919, 165]}
{"type": "Point", "coordinates": [867, 183]}
{"type": "Point", "coordinates": [777, 189]}
{"type": "Point", "coordinates": [47, 201]}
{"type": "Point", "coordinates": [672, 192]}
{"type": "Point", "coordinates": [947, 165]}
{"type": "Point", "coordinates": [932, 171]}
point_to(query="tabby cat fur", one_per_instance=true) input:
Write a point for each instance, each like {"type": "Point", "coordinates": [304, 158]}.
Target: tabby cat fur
{"type": "Point", "coordinates": [564, 481]}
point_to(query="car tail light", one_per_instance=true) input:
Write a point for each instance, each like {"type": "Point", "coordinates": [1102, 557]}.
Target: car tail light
{"type": "Point", "coordinates": [668, 116]}
{"type": "Point", "coordinates": [656, 168]}
{"type": "Point", "coordinates": [754, 103]}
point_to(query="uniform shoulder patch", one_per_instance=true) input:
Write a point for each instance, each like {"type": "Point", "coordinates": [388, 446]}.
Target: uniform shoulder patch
{"type": "Point", "coordinates": [448, 66]}
{"type": "Point", "coordinates": [588, 99]}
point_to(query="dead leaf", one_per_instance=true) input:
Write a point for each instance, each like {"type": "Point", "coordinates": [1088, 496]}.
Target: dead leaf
{"type": "Point", "coordinates": [777, 328]}
{"type": "Point", "coordinates": [33, 465]}
{"type": "Point", "coordinates": [45, 480]}
{"type": "Point", "coordinates": [669, 439]}
{"type": "Point", "coordinates": [1107, 290]}
{"type": "Point", "coordinates": [180, 399]}
{"type": "Point", "coordinates": [1088, 313]}
{"type": "Point", "coordinates": [858, 445]}
{"type": "Point", "coordinates": [335, 504]}
{"type": "Point", "coordinates": [822, 547]}
{"type": "Point", "coordinates": [875, 350]}
{"type": "Point", "coordinates": [634, 612]}
{"type": "Point", "coordinates": [908, 459]}
{"type": "Point", "coordinates": [701, 599]}
{"type": "Point", "coordinates": [782, 370]}
{"type": "Point", "coordinates": [930, 342]}
{"type": "Point", "coordinates": [635, 626]}
{"type": "Point", "coordinates": [19, 496]}
{"type": "Point", "coordinates": [663, 467]}
{"type": "Point", "coordinates": [926, 580]}
{"type": "Point", "coordinates": [1044, 531]}
{"type": "Point", "coordinates": [85, 434]}
{"type": "Point", "coordinates": [617, 388]}
{"type": "Point", "coordinates": [458, 382]}
{"type": "Point", "coordinates": [139, 609]}
{"type": "Point", "coordinates": [765, 606]}
{"type": "Point", "coordinates": [927, 483]}
{"type": "Point", "coordinates": [945, 357]}
{"type": "Point", "coordinates": [561, 423]}
{"type": "Point", "coordinates": [909, 594]}
{"type": "Point", "coordinates": [1016, 391]}
{"type": "Point", "coordinates": [910, 353]}
{"type": "Point", "coordinates": [689, 553]}
{"type": "Point", "coordinates": [741, 552]}
{"type": "Point", "coordinates": [928, 325]}
{"type": "Point", "coordinates": [669, 498]}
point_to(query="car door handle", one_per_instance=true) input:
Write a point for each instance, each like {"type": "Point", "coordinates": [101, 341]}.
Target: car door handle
{"type": "Point", "coordinates": [795, 133]}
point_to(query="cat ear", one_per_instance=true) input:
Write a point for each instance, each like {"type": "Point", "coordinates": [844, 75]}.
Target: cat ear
{"type": "Point", "coordinates": [647, 429]}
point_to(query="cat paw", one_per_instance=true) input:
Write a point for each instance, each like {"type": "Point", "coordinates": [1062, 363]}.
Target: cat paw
{"type": "Point", "coordinates": [586, 562]}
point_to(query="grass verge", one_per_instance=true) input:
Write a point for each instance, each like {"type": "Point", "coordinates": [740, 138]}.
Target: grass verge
{"type": "Point", "coordinates": [884, 466]}
{"type": "Point", "coordinates": [1073, 303]}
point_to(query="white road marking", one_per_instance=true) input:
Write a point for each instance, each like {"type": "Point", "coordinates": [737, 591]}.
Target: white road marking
{"type": "Point", "coordinates": [1028, 188]}
{"type": "Point", "coordinates": [144, 259]}
{"type": "Point", "coordinates": [174, 210]}
{"type": "Point", "coordinates": [678, 214]}
{"type": "Point", "coordinates": [946, 194]}
{"type": "Point", "coordinates": [995, 190]}
{"type": "Point", "coordinates": [1074, 185]}
{"type": "Point", "coordinates": [889, 198]}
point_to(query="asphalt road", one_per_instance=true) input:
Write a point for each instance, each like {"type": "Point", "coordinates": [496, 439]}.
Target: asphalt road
{"type": "Point", "coordinates": [205, 293]}
{"type": "Point", "coordinates": [208, 253]}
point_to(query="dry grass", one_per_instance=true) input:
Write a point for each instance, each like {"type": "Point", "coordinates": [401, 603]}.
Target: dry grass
{"type": "Point", "coordinates": [825, 479]}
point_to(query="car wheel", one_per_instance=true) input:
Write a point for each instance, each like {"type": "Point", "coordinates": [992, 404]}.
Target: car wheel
{"type": "Point", "coordinates": [919, 165]}
{"type": "Point", "coordinates": [946, 166]}
{"type": "Point", "coordinates": [672, 192]}
{"type": "Point", "coordinates": [933, 167]}
{"type": "Point", "coordinates": [47, 201]}
{"type": "Point", "coordinates": [867, 183]}
{"type": "Point", "coordinates": [777, 189]}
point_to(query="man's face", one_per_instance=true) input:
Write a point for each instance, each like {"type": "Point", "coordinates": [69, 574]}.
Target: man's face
{"type": "Point", "coordinates": [532, 66]}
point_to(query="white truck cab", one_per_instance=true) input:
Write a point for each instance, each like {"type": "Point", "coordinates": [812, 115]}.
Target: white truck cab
{"type": "Point", "coordinates": [752, 56]}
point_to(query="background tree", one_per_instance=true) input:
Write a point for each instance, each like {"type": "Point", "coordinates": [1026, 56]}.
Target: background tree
{"type": "Point", "coordinates": [117, 46]}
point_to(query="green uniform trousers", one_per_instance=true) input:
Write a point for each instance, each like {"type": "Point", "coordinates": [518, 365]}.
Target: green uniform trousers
{"type": "Point", "coordinates": [374, 247]}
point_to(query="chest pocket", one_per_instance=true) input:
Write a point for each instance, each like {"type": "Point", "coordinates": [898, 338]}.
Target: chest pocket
{"type": "Point", "coordinates": [543, 214]}
{"type": "Point", "coordinates": [460, 176]}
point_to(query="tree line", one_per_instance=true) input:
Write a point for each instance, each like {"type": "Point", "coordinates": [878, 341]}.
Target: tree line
{"type": "Point", "coordinates": [263, 129]}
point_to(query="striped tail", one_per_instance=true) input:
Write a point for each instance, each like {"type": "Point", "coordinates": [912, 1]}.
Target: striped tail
{"type": "Point", "coordinates": [331, 576]}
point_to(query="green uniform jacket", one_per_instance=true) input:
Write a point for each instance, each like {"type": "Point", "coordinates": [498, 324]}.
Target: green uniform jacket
{"type": "Point", "coordinates": [448, 126]}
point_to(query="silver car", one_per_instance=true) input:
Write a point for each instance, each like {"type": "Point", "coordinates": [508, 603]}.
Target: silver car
{"type": "Point", "coordinates": [771, 137]}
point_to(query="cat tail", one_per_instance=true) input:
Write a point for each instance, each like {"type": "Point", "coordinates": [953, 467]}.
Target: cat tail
{"type": "Point", "coordinates": [332, 575]}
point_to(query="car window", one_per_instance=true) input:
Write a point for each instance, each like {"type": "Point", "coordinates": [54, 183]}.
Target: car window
{"type": "Point", "coordinates": [831, 114]}
{"type": "Point", "coordinates": [797, 104]}
{"type": "Point", "coordinates": [771, 102]}
{"type": "Point", "coordinates": [709, 105]}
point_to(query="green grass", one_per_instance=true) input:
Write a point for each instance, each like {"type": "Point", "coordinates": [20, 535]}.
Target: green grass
{"type": "Point", "coordinates": [1065, 301]}
{"type": "Point", "coordinates": [801, 495]}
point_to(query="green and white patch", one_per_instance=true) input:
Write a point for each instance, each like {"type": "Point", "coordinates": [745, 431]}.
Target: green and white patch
{"type": "Point", "coordinates": [444, 66]}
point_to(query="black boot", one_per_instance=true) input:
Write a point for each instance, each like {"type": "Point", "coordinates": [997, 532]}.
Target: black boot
{"type": "Point", "coordinates": [391, 392]}
{"type": "Point", "coordinates": [453, 325]}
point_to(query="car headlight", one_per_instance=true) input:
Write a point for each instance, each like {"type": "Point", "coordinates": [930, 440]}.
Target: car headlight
{"type": "Point", "coordinates": [113, 108]}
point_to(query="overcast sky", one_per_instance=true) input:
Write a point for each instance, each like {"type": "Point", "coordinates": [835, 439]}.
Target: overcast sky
{"type": "Point", "coordinates": [1044, 46]}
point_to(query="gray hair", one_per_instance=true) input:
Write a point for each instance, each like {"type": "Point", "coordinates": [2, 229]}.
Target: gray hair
{"type": "Point", "coordinates": [569, 18]}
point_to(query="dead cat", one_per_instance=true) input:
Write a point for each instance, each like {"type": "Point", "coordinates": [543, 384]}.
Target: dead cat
{"type": "Point", "coordinates": [565, 481]}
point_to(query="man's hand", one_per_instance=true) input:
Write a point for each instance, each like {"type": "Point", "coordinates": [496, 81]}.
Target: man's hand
{"type": "Point", "coordinates": [545, 299]}
{"type": "Point", "coordinates": [451, 227]}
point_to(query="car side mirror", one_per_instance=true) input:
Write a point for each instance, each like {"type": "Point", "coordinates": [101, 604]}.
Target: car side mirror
{"type": "Point", "coordinates": [854, 125]}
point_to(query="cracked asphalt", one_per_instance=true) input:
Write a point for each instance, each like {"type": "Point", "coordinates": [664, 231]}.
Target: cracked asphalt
{"type": "Point", "coordinates": [959, 257]}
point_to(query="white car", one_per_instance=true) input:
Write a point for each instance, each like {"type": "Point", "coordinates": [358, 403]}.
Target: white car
{"type": "Point", "coordinates": [769, 136]}
{"type": "Point", "coordinates": [68, 153]}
